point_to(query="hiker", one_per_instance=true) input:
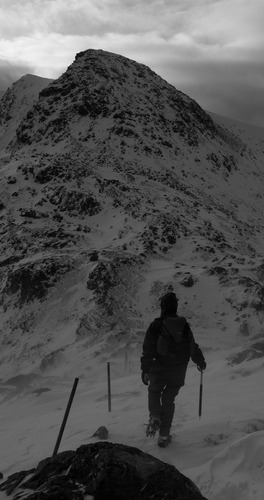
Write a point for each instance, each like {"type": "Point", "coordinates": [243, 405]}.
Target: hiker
{"type": "Point", "coordinates": [167, 348]}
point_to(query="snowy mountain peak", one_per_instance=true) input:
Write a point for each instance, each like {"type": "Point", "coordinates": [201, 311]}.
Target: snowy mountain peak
{"type": "Point", "coordinates": [116, 186]}
{"type": "Point", "coordinates": [115, 98]}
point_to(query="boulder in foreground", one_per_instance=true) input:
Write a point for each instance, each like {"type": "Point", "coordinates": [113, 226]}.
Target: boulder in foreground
{"type": "Point", "coordinates": [103, 470]}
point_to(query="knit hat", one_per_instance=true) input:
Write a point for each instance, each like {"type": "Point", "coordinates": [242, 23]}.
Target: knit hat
{"type": "Point", "coordinates": [169, 303]}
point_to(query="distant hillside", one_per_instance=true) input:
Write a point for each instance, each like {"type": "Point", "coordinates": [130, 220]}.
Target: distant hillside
{"type": "Point", "coordinates": [16, 102]}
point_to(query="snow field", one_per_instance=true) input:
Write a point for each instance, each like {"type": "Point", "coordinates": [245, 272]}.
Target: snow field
{"type": "Point", "coordinates": [215, 452]}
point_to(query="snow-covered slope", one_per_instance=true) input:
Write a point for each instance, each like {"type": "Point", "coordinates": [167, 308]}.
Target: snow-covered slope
{"type": "Point", "coordinates": [16, 102]}
{"type": "Point", "coordinates": [236, 473]}
{"type": "Point", "coordinates": [114, 188]}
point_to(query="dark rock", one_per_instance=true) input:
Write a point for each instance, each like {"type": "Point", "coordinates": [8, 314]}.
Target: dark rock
{"type": "Point", "coordinates": [188, 281]}
{"type": "Point", "coordinates": [14, 480]}
{"type": "Point", "coordinates": [47, 173]}
{"type": "Point", "coordinates": [164, 228]}
{"type": "Point", "coordinates": [243, 328]}
{"type": "Point", "coordinates": [32, 280]}
{"type": "Point", "coordinates": [57, 238]}
{"type": "Point", "coordinates": [74, 201]}
{"type": "Point", "coordinates": [112, 276]}
{"type": "Point", "coordinates": [32, 213]}
{"type": "Point", "coordinates": [103, 470]}
{"type": "Point", "coordinates": [101, 433]}
{"type": "Point", "coordinates": [94, 256]}
{"type": "Point", "coordinates": [260, 272]}
{"type": "Point", "coordinates": [219, 270]}
{"type": "Point", "coordinates": [11, 179]}
{"type": "Point", "coordinates": [7, 261]}
{"type": "Point", "coordinates": [254, 351]}
{"type": "Point", "coordinates": [57, 217]}
{"type": "Point", "coordinates": [255, 292]}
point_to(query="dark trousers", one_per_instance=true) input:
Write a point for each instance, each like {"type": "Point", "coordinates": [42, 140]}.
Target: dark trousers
{"type": "Point", "coordinates": [165, 383]}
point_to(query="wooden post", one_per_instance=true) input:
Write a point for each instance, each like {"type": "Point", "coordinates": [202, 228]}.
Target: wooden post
{"type": "Point", "coordinates": [126, 366]}
{"type": "Point", "coordinates": [201, 394]}
{"type": "Point", "coordinates": [109, 385]}
{"type": "Point", "coordinates": [67, 411]}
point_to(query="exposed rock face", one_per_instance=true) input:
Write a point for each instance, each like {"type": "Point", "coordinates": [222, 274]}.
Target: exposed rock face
{"type": "Point", "coordinates": [31, 281]}
{"type": "Point", "coordinates": [107, 86]}
{"type": "Point", "coordinates": [102, 470]}
{"type": "Point", "coordinates": [118, 276]}
{"type": "Point", "coordinates": [74, 202]}
{"type": "Point", "coordinates": [253, 351]}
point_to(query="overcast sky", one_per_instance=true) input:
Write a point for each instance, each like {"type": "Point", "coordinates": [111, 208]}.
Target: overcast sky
{"type": "Point", "coordinates": [212, 50]}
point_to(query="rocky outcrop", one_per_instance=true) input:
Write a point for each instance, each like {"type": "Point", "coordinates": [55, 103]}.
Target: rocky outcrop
{"type": "Point", "coordinates": [114, 282]}
{"type": "Point", "coordinates": [253, 351]}
{"type": "Point", "coordinates": [103, 470]}
{"type": "Point", "coordinates": [32, 280]}
{"type": "Point", "coordinates": [74, 201]}
{"type": "Point", "coordinates": [252, 295]}
{"type": "Point", "coordinates": [163, 231]}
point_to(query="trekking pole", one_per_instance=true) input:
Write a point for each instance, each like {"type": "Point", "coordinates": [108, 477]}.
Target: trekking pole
{"type": "Point", "coordinates": [109, 385]}
{"type": "Point", "coordinates": [65, 418]}
{"type": "Point", "coordinates": [201, 394]}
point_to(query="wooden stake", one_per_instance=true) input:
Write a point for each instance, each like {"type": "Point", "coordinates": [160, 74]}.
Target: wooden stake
{"type": "Point", "coordinates": [201, 395]}
{"type": "Point", "coordinates": [67, 411]}
{"type": "Point", "coordinates": [109, 385]}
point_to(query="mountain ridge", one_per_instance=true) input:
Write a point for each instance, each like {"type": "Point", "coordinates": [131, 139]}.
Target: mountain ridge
{"type": "Point", "coordinates": [16, 102]}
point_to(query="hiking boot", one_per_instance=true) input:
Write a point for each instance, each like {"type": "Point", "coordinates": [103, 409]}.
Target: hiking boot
{"type": "Point", "coordinates": [153, 426]}
{"type": "Point", "coordinates": [163, 441]}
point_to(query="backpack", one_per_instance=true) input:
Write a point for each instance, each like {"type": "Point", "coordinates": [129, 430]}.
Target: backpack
{"type": "Point", "coordinates": [171, 329]}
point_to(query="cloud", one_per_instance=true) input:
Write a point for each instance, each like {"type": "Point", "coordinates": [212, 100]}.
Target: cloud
{"type": "Point", "coordinates": [222, 19]}
{"type": "Point", "coordinates": [85, 17]}
{"type": "Point", "coordinates": [9, 73]}
{"type": "Point", "coordinates": [47, 56]}
{"type": "Point", "coordinates": [233, 89]}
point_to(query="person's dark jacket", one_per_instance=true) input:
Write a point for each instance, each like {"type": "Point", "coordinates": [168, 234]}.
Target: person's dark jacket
{"type": "Point", "coordinates": [180, 345]}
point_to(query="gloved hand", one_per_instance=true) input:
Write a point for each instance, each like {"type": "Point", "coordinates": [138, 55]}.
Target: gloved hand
{"type": "Point", "coordinates": [145, 378]}
{"type": "Point", "coordinates": [202, 366]}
